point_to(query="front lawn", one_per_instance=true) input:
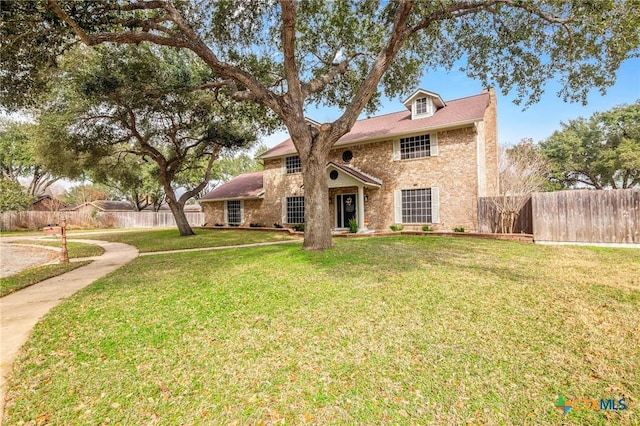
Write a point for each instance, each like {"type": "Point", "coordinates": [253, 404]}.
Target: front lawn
{"type": "Point", "coordinates": [396, 330]}
{"type": "Point", "coordinates": [170, 239]}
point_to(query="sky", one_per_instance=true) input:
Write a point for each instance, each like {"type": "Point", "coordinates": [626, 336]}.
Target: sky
{"type": "Point", "coordinates": [538, 121]}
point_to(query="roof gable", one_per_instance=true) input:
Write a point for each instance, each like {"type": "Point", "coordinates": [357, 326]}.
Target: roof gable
{"type": "Point", "coordinates": [421, 93]}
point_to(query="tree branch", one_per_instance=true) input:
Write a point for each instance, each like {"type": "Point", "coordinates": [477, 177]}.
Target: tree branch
{"type": "Point", "coordinates": [288, 36]}
{"type": "Point", "coordinates": [188, 39]}
{"type": "Point", "coordinates": [320, 82]}
{"type": "Point", "coordinates": [399, 34]}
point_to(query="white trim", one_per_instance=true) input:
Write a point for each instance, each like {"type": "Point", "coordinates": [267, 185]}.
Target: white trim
{"type": "Point", "coordinates": [396, 149]}
{"type": "Point", "coordinates": [433, 144]}
{"type": "Point", "coordinates": [397, 205]}
{"type": "Point", "coordinates": [345, 178]}
{"type": "Point", "coordinates": [430, 108]}
{"type": "Point", "coordinates": [435, 204]}
{"type": "Point", "coordinates": [481, 159]}
{"type": "Point", "coordinates": [422, 93]}
{"type": "Point", "coordinates": [283, 211]}
{"type": "Point", "coordinates": [360, 210]}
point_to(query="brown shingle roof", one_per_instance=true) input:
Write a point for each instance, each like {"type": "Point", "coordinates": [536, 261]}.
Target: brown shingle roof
{"type": "Point", "coordinates": [248, 185]}
{"type": "Point", "coordinates": [457, 111]}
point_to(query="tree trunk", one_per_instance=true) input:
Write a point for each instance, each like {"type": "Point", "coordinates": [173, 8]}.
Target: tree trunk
{"type": "Point", "coordinates": [181, 219]}
{"type": "Point", "coordinates": [317, 227]}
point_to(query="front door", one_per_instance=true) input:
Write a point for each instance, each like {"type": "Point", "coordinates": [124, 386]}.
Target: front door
{"type": "Point", "coordinates": [345, 209]}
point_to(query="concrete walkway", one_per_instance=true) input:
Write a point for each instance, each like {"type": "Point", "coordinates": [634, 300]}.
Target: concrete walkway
{"type": "Point", "coordinates": [20, 311]}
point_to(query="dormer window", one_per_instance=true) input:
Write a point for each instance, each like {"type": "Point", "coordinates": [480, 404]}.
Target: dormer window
{"type": "Point", "coordinates": [423, 104]}
{"type": "Point", "coordinates": [423, 107]}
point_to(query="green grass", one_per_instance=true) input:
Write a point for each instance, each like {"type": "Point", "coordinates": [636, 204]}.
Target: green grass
{"type": "Point", "coordinates": [170, 239]}
{"type": "Point", "coordinates": [32, 276]}
{"type": "Point", "coordinates": [20, 234]}
{"type": "Point", "coordinates": [397, 330]}
{"type": "Point", "coordinates": [75, 250]}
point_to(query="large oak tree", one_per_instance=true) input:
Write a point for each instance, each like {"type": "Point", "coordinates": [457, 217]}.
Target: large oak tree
{"type": "Point", "coordinates": [128, 105]}
{"type": "Point", "coordinates": [287, 55]}
{"type": "Point", "coordinates": [602, 151]}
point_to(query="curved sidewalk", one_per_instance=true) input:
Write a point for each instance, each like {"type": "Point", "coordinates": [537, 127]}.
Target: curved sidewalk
{"type": "Point", "coordinates": [20, 311]}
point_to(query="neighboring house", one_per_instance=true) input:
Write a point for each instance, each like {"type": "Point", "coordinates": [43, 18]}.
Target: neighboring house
{"type": "Point", "coordinates": [424, 165]}
{"type": "Point", "coordinates": [47, 203]}
{"type": "Point", "coordinates": [193, 208]}
{"type": "Point", "coordinates": [103, 206]}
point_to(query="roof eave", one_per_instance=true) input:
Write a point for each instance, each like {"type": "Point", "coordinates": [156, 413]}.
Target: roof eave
{"type": "Point", "coordinates": [454, 125]}
{"type": "Point", "coordinates": [254, 197]}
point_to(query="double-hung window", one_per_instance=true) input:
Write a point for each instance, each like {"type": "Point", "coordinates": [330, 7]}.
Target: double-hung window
{"type": "Point", "coordinates": [417, 205]}
{"type": "Point", "coordinates": [234, 212]}
{"type": "Point", "coordinates": [415, 147]}
{"type": "Point", "coordinates": [421, 106]}
{"type": "Point", "coordinates": [293, 210]}
{"type": "Point", "coordinates": [292, 164]}
{"type": "Point", "coordinates": [419, 146]}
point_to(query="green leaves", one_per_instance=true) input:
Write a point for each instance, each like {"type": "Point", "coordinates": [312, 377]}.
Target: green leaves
{"type": "Point", "coordinates": [13, 196]}
{"type": "Point", "coordinates": [602, 151]}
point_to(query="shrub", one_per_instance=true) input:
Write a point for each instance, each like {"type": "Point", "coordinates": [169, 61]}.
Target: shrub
{"type": "Point", "coordinates": [427, 228]}
{"type": "Point", "coordinates": [255, 225]}
{"type": "Point", "coordinates": [219, 224]}
{"type": "Point", "coordinates": [396, 228]}
{"type": "Point", "coordinates": [353, 225]}
{"type": "Point", "coordinates": [234, 224]}
{"type": "Point", "coordinates": [277, 225]}
{"type": "Point", "coordinates": [458, 229]}
{"type": "Point", "coordinates": [299, 227]}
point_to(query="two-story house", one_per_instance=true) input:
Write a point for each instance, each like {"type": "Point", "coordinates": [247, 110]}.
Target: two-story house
{"type": "Point", "coordinates": [427, 164]}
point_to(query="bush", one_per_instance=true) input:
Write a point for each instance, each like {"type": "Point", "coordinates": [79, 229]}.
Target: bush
{"type": "Point", "coordinates": [277, 226]}
{"type": "Point", "coordinates": [396, 228]}
{"type": "Point", "coordinates": [219, 224]}
{"type": "Point", "coordinates": [353, 225]}
{"type": "Point", "coordinates": [234, 224]}
{"type": "Point", "coordinates": [458, 229]}
{"type": "Point", "coordinates": [427, 228]}
{"type": "Point", "coordinates": [299, 227]}
{"type": "Point", "coordinates": [255, 225]}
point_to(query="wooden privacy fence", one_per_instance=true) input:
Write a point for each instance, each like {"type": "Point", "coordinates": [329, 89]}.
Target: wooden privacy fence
{"type": "Point", "coordinates": [489, 218]}
{"type": "Point", "coordinates": [589, 216]}
{"type": "Point", "coordinates": [33, 220]}
{"type": "Point", "coordinates": [608, 216]}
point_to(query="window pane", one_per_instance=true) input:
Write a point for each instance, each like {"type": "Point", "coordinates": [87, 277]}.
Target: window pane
{"type": "Point", "coordinates": [293, 164]}
{"type": "Point", "coordinates": [234, 215]}
{"type": "Point", "coordinates": [421, 106]}
{"type": "Point", "coordinates": [295, 209]}
{"type": "Point", "coordinates": [415, 147]}
{"type": "Point", "coordinates": [416, 206]}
